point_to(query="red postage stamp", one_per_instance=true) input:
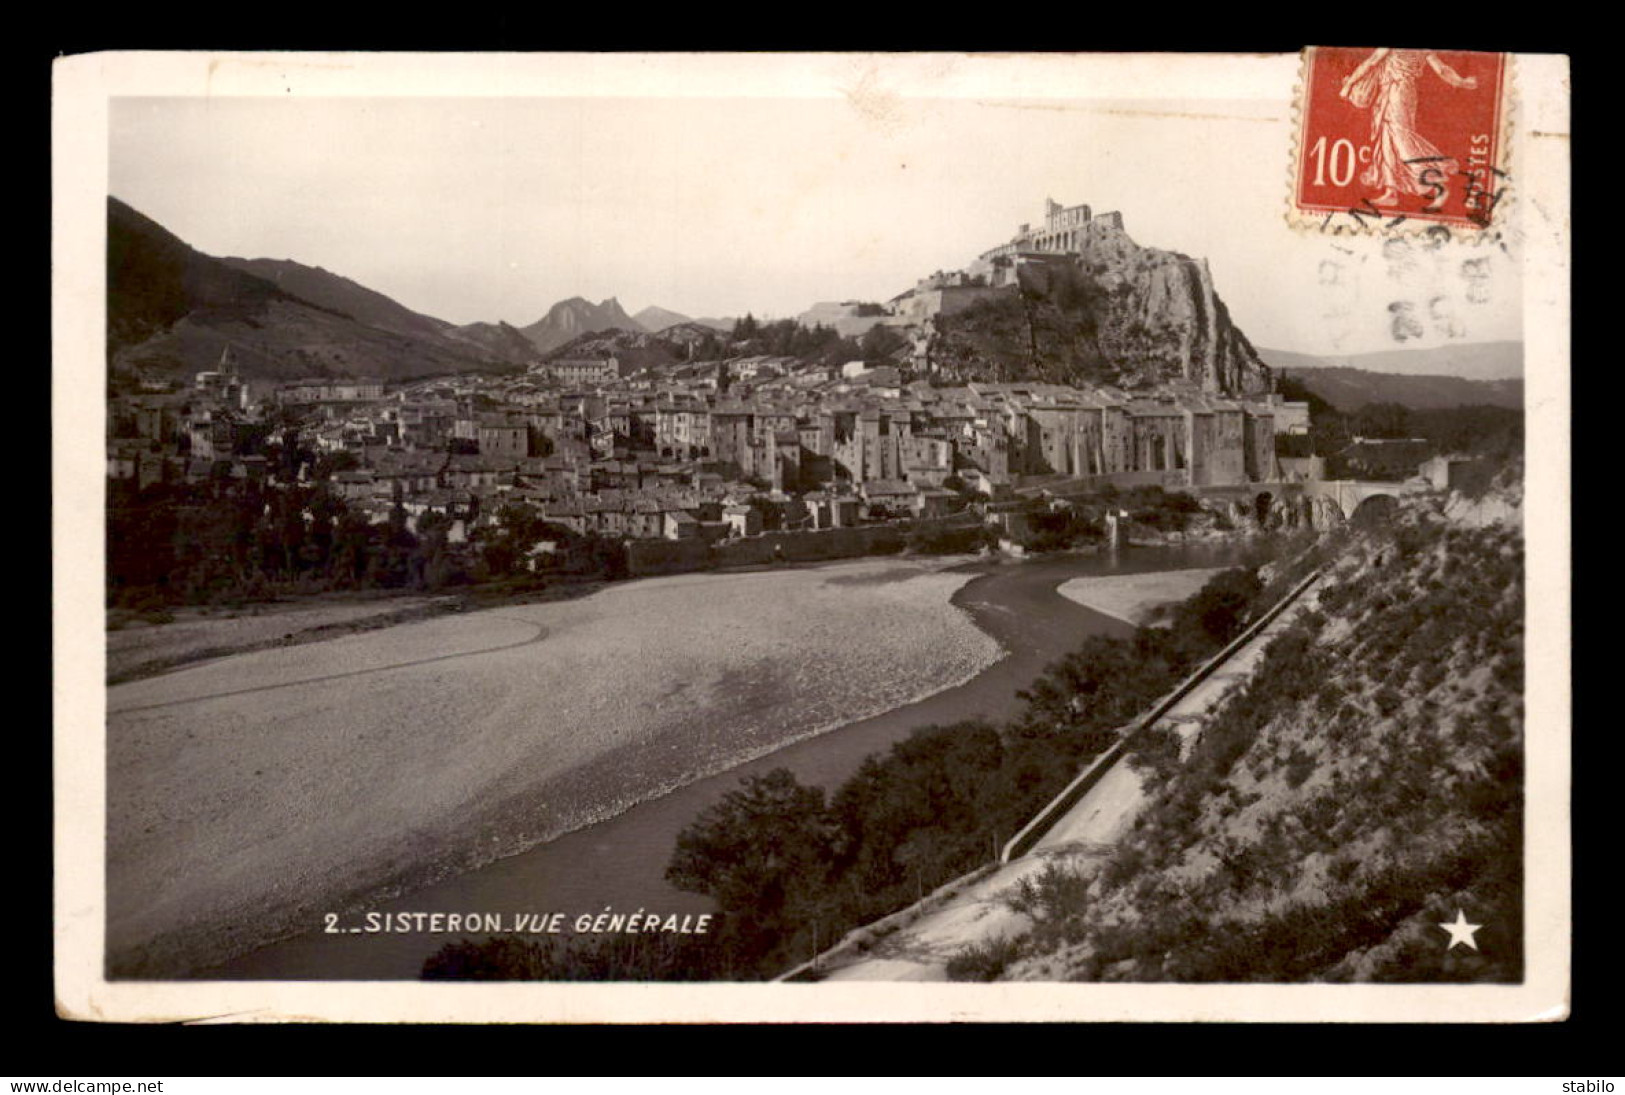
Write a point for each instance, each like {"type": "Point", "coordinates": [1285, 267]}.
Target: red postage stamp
{"type": "Point", "coordinates": [1395, 135]}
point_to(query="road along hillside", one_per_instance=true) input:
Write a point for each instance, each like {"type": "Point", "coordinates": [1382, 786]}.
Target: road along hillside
{"type": "Point", "coordinates": [918, 943]}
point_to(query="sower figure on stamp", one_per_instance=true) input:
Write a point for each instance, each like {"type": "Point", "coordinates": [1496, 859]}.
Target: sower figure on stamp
{"type": "Point", "coordinates": [1402, 160]}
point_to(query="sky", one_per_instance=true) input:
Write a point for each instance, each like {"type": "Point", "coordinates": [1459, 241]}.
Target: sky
{"type": "Point", "coordinates": [714, 198]}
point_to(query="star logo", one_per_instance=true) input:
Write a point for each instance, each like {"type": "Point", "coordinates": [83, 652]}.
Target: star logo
{"type": "Point", "coordinates": [1461, 931]}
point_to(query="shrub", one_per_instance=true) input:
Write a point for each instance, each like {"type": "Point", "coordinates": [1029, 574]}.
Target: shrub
{"type": "Point", "coordinates": [1051, 896]}
{"type": "Point", "coordinates": [984, 961]}
{"type": "Point", "coordinates": [1299, 767]}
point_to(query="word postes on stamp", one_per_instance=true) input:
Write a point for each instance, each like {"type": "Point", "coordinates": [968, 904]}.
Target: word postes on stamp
{"type": "Point", "coordinates": [1390, 136]}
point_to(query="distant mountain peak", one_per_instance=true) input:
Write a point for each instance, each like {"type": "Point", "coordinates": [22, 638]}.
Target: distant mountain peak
{"type": "Point", "coordinates": [577, 316]}
{"type": "Point", "coordinates": [656, 318]}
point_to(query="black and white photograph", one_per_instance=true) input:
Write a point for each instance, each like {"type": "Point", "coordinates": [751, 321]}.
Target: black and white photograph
{"type": "Point", "coordinates": [837, 537]}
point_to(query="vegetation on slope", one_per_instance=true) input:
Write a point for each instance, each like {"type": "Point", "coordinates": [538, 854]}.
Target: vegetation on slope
{"type": "Point", "coordinates": [1363, 787]}
{"type": "Point", "coordinates": [173, 311]}
{"type": "Point", "coordinates": [1043, 333]}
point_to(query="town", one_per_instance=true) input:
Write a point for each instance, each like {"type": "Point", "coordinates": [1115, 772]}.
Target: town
{"type": "Point", "coordinates": [719, 449]}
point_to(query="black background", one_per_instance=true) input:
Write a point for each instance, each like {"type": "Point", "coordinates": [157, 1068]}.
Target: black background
{"type": "Point", "coordinates": [38, 1045]}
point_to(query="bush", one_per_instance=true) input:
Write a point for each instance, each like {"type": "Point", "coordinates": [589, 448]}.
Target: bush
{"type": "Point", "coordinates": [984, 961]}
{"type": "Point", "coordinates": [929, 540]}
{"type": "Point", "coordinates": [1054, 895]}
{"type": "Point", "coordinates": [1299, 767]}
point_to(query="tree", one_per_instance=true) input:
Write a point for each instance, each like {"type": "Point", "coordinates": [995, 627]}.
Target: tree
{"type": "Point", "coordinates": [330, 463]}
{"type": "Point", "coordinates": [1217, 613]}
{"type": "Point", "coordinates": [1383, 420]}
{"type": "Point", "coordinates": [881, 342]}
{"type": "Point", "coordinates": [771, 512]}
{"type": "Point", "coordinates": [766, 845]}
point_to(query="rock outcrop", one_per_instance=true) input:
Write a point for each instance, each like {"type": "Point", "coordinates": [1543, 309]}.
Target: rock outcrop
{"type": "Point", "coordinates": [1501, 504]}
{"type": "Point", "coordinates": [1117, 313]}
{"type": "Point", "coordinates": [1157, 313]}
{"type": "Point", "coordinates": [1326, 514]}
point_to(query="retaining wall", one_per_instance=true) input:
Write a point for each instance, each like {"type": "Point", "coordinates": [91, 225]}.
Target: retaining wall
{"type": "Point", "coordinates": [1034, 830]}
{"type": "Point", "coordinates": [648, 557]}
{"type": "Point", "coordinates": [1069, 797]}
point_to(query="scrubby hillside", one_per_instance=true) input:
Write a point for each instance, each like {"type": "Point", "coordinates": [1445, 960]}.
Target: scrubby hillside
{"type": "Point", "coordinates": [1351, 389]}
{"type": "Point", "coordinates": [1364, 788]}
{"type": "Point", "coordinates": [500, 339]}
{"type": "Point", "coordinates": [633, 349]}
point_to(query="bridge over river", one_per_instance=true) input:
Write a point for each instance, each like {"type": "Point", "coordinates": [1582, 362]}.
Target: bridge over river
{"type": "Point", "coordinates": [1368, 498]}
{"type": "Point", "coordinates": [1365, 498]}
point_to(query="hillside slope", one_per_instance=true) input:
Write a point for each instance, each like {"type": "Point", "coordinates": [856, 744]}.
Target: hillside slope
{"type": "Point", "coordinates": [154, 280]}
{"type": "Point", "coordinates": [340, 294]}
{"type": "Point", "coordinates": [501, 339]}
{"type": "Point", "coordinates": [172, 310]}
{"type": "Point", "coordinates": [1350, 389]}
{"type": "Point", "coordinates": [1364, 787]}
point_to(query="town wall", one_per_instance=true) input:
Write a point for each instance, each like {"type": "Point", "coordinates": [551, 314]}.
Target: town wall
{"type": "Point", "coordinates": [1172, 479]}
{"type": "Point", "coordinates": [650, 557]}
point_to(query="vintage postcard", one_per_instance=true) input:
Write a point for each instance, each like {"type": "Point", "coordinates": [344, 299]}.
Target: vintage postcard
{"type": "Point", "coordinates": [861, 537]}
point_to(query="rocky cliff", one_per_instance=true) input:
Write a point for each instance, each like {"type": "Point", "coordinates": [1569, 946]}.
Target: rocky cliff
{"type": "Point", "coordinates": [1118, 313]}
{"type": "Point", "coordinates": [1157, 312]}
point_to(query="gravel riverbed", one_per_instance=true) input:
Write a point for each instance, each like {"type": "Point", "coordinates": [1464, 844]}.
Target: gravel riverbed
{"type": "Point", "coordinates": [249, 795]}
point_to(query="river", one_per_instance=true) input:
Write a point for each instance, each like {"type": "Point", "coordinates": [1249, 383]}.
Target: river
{"type": "Point", "coordinates": [619, 862]}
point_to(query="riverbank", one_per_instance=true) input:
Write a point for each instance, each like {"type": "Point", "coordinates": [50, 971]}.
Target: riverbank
{"type": "Point", "coordinates": [249, 796]}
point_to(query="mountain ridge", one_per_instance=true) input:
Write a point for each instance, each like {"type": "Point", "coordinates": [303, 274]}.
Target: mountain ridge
{"type": "Point", "coordinates": [656, 318]}
{"type": "Point", "coordinates": [1351, 389]}
{"type": "Point", "coordinates": [173, 310]}
{"type": "Point", "coordinates": [1494, 360]}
